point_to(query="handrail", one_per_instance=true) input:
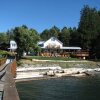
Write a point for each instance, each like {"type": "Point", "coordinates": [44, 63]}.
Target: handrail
{"type": "Point", "coordinates": [7, 83]}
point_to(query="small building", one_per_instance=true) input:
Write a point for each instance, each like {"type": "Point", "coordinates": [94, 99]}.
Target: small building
{"type": "Point", "coordinates": [13, 45]}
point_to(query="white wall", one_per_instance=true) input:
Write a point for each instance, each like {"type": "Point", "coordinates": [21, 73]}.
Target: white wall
{"type": "Point", "coordinates": [13, 45]}
{"type": "Point", "coordinates": [51, 42]}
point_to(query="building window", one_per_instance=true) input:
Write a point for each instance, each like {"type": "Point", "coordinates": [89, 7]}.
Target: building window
{"type": "Point", "coordinates": [53, 39]}
{"type": "Point", "coordinates": [13, 45]}
{"type": "Point", "coordinates": [41, 45]}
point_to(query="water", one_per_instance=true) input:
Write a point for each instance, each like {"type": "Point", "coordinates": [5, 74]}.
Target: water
{"type": "Point", "coordinates": [69, 88]}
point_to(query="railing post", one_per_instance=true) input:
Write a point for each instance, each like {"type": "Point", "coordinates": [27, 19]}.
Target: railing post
{"type": "Point", "coordinates": [13, 68]}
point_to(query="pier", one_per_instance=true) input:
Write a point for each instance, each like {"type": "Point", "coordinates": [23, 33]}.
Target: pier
{"type": "Point", "coordinates": [8, 89]}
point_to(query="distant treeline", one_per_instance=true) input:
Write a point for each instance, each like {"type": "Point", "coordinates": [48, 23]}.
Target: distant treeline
{"type": "Point", "coordinates": [86, 35]}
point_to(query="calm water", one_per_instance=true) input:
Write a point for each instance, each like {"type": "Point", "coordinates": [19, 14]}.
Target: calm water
{"type": "Point", "coordinates": [69, 88]}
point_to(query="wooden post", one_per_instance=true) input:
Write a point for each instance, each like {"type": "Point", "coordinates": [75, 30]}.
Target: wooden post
{"type": "Point", "coordinates": [13, 68]}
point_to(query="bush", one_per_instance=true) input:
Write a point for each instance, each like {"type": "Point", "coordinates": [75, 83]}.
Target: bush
{"type": "Point", "coordinates": [3, 54]}
{"type": "Point", "coordinates": [2, 61]}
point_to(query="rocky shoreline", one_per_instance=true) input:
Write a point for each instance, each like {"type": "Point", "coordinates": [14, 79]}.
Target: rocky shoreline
{"type": "Point", "coordinates": [78, 72]}
{"type": "Point", "coordinates": [40, 72]}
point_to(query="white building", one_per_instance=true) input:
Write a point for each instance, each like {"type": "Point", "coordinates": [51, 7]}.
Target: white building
{"type": "Point", "coordinates": [54, 43]}
{"type": "Point", "coordinates": [54, 47]}
{"type": "Point", "coordinates": [51, 43]}
{"type": "Point", "coordinates": [13, 45]}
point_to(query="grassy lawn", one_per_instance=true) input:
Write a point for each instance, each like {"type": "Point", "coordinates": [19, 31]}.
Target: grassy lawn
{"type": "Point", "coordinates": [28, 60]}
{"type": "Point", "coordinates": [49, 58]}
{"type": "Point", "coordinates": [56, 61]}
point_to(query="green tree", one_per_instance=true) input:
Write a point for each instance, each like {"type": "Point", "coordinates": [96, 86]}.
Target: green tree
{"type": "Point", "coordinates": [45, 35]}
{"type": "Point", "coordinates": [57, 29]}
{"type": "Point", "coordinates": [64, 36]}
{"type": "Point", "coordinates": [53, 32]}
{"type": "Point", "coordinates": [34, 38]}
{"type": "Point", "coordinates": [10, 35]}
{"type": "Point", "coordinates": [4, 41]}
{"type": "Point", "coordinates": [74, 37]}
{"type": "Point", "coordinates": [96, 41]}
{"type": "Point", "coordinates": [88, 26]}
{"type": "Point", "coordinates": [3, 38]}
{"type": "Point", "coordinates": [26, 39]}
{"type": "Point", "coordinates": [48, 33]}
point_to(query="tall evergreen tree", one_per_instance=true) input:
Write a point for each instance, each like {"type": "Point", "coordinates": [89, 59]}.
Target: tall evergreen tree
{"type": "Point", "coordinates": [53, 32]}
{"type": "Point", "coordinates": [74, 37]}
{"type": "Point", "coordinates": [48, 33]}
{"type": "Point", "coordinates": [65, 36]}
{"type": "Point", "coordinates": [88, 26]}
{"type": "Point", "coordinates": [45, 35]}
{"type": "Point", "coordinates": [96, 42]}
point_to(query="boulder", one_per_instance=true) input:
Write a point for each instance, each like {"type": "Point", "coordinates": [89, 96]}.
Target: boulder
{"type": "Point", "coordinates": [88, 73]}
{"type": "Point", "coordinates": [50, 73]}
{"type": "Point", "coordinates": [60, 71]}
{"type": "Point", "coordinates": [97, 69]}
{"type": "Point", "coordinates": [71, 71]}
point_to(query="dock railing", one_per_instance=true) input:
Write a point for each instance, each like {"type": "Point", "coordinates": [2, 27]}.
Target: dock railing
{"type": "Point", "coordinates": [8, 89]}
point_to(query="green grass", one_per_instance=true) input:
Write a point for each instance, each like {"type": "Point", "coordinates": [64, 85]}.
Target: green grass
{"type": "Point", "coordinates": [49, 58]}
{"type": "Point", "coordinates": [28, 60]}
{"type": "Point", "coordinates": [89, 64]}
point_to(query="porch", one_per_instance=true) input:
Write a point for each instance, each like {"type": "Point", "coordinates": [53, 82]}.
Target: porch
{"type": "Point", "coordinates": [76, 53]}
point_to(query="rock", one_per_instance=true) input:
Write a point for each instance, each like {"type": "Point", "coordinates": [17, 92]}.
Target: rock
{"type": "Point", "coordinates": [71, 71]}
{"type": "Point", "coordinates": [56, 71]}
{"type": "Point", "coordinates": [90, 70]}
{"type": "Point", "coordinates": [98, 65]}
{"type": "Point", "coordinates": [97, 69]}
{"type": "Point", "coordinates": [60, 71]}
{"type": "Point", "coordinates": [50, 73]}
{"type": "Point", "coordinates": [89, 73]}
{"type": "Point", "coordinates": [78, 72]}
{"type": "Point", "coordinates": [86, 73]}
